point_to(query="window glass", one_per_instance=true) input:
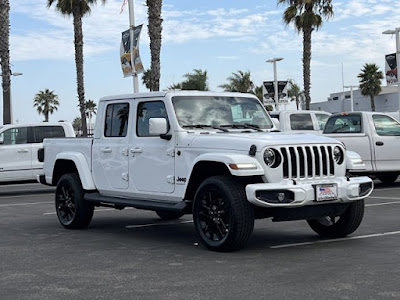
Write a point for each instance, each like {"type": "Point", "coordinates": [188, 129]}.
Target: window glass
{"type": "Point", "coordinates": [192, 111]}
{"type": "Point", "coordinates": [301, 122]}
{"type": "Point", "coordinates": [147, 110]}
{"type": "Point", "coordinates": [44, 132]}
{"type": "Point", "coordinates": [116, 121]}
{"type": "Point", "coordinates": [14, 136]}
{"type": "Point", "coordinates": [321, 119]}
{"type": "Point", "coordinates": [348, 123]}
{"type": "Point", "coordinates": [385, 125]}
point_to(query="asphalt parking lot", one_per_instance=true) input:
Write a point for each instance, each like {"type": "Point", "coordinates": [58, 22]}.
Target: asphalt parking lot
{"type": "Point", "coordinates": [131, 254]}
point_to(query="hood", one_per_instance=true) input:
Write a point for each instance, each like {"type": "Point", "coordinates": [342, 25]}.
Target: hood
{"type": "Point", "coordinates": [243, 141]}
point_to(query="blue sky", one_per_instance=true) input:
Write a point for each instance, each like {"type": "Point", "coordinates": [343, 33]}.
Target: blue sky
{"type": "Point", "coordinates": [218, 36]}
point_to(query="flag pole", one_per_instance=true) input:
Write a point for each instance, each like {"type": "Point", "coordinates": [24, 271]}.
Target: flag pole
{"type": "Point", "coordinates": [132, 32]}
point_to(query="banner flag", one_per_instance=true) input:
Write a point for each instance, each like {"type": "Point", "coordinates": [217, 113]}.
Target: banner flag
{"type": "Point", "coordinates": [269, 92]}
{"type": "Point", "coordinates": [129, 53]}
{"type": "Point", "coordinates": [391, 69]}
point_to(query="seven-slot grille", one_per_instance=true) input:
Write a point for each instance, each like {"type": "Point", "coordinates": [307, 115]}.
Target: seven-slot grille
{"type": "Point", "coordinates": [307, 161]}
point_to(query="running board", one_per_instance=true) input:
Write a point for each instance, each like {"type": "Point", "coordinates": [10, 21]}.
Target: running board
{"type": "Point", "coordinates": [119, 203]}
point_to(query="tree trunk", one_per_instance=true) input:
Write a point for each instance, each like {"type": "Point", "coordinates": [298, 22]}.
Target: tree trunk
{"type": "Point", "coordinates": [307, 64]}
{"type": "Point", "coordinates": [297, 103]}
{"type": "Point", "coordinates": [78, 40]}
{"type": "Point", "coordinates": [5, 59]}
{"type": "Point", "coordinates": [155, 28]}
{"type": "Point", "coordinates": [372, 103]}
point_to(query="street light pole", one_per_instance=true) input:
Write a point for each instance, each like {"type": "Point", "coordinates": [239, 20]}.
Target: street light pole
{"type": "Point", "coordinates": [351, 95]}
{"type": "Point", "coordinates": [273, 61]}
{"type": "Point", "coordinates": [132, 32]}
{"type": "Point", "coordinates": [396, 32]}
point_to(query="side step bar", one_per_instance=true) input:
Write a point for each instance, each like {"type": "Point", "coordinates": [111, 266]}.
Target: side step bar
{"type": "Point", "coordinates": [118, 203]}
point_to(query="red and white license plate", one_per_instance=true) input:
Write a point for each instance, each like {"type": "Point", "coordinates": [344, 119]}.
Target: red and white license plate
{"type": "Point", "coordinates": [326, 192]}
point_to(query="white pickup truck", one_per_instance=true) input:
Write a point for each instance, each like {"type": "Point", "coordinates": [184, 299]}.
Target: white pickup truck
{"type": "Point", "coordinates": [19, 146]}
{"type": "Point", "coordinates": [373, 135]}
{"type": "Point", "coordinates": [204, 153]}
{"type": "Point", "coordinates": [300, 120]}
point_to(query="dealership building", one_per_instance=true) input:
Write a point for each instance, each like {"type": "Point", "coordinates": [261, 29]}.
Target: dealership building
{"type": "Point", "coordinates": [386, 101]}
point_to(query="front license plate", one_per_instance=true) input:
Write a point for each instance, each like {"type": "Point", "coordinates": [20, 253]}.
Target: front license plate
{"type": "Point", "coordinates": [326, 192]}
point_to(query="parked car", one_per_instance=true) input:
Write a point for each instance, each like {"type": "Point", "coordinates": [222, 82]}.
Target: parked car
{"type": "Point", "coordinates": [373, 135]}
{"type": "Point", "coordinates": [205, 154]}
{"type": "Point", "coordinates": [19, 145]}
{"type": "Point", "coordinates": [300, 120]}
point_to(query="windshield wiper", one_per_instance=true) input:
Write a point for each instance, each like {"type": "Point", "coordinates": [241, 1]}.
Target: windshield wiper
{"type": "Point", "coordinates": [246, 126]}
{"type": "Point", "coordinates": [205, 126]}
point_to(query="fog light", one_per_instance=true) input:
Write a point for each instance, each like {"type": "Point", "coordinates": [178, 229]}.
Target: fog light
{"type": "Point", "coordinates": [364, 189]}
{"type": "Point", "coordinates": [281, 197]}
{"type": "Point", "coordinates": [275, 196]}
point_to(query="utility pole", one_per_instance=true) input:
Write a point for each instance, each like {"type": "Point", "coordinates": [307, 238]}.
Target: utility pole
{"type": "Point", "coordinates": [273, 61]}
{"type": "Point", "coordinates": [351, 95]}
{"type": "Point", "coordinates": [132, 33]}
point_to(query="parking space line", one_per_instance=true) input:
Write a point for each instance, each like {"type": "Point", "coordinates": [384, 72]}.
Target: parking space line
{"type": "Point", "coordinates": [157, 224]}
{"type": "Point", "coordinates": [395, 198]}
{"type": "Point", "coordinates": [24, 204]}
{"type": "Point", "coordinates": [96, 210]}
{"type": "Point", "coordinates": [383, 203]}
{"type": "Point", "coordinates": [21, 196]}
{"type": "Point", "coordinates": [335, 240]}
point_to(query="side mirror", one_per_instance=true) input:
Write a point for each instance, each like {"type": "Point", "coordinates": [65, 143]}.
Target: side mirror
{"type": "Point", "coordinates": [158, 126]}
{"type": "Point", "coordinates": [276, 123]}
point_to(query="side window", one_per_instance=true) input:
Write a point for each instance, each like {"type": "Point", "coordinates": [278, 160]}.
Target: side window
{"type": "Point", "coordinates": [321, 119]}
{"type": "Point", "coordinates": [145, 111]}
{"type": "Point", "coordinates": [44, 132]}
{"type": "Point", "coordinates": [344, 124]}
{"type": "Point", "coordinates": [14, 136]}
{"type": "Point", "coordinates": [301, 122]}
{"type": "Point", "coordinates": [116, 122]}
{"type": "Point", "coordinates": [386, 126]}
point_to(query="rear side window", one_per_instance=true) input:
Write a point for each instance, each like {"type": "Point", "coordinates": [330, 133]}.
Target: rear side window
{"type": "Point", "coordinates": [343, 124]}
{"type": "Point", "coordinates": [301, 122]}
{"type": "Point", "coordinates": [116, 122]}
{"type": "Point", "coordinates": [45, 132]}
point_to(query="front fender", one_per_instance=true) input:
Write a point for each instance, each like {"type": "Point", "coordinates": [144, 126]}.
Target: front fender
{"type": "Point", "coordinates": [237, 164]}
{"type": "Point", "coordinates": [354, 161]}
{"type": "Point", "coordinates": [82, 166]}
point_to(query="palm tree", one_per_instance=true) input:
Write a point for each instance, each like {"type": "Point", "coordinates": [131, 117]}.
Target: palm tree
{"type": "Point", "coordinates": [77, 8]}
{"type": "Point", "coordinates": [194, 81]}
{"type": "Point", "coordinates": [154, 28]}
{"type": "Point", "coordinates": [77, 124]}
{"type": "Point", "coordinates": [239, 82]}
{"type": "Point", "coordinates": [5, 58]}
{"type": "Point", "coordinates": [295, 93]}
{"type": "Point", "coordinates": [46, 103]}
{"type": "Point", "coordinates": [146, 79]}
{"type": "Point", "coordinates": [306, 15]}
{"type": "Point", "coordinates": [370, 82]}
{"type": "Point", "coordinates": [91, 109]}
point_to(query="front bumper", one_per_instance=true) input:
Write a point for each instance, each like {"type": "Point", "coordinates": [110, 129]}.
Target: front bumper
{"type": "Point", "coordinates": [302, 193]}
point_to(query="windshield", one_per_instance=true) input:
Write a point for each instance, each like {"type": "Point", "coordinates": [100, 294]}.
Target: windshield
{"type": "Point", "coordinates": [235, 112]}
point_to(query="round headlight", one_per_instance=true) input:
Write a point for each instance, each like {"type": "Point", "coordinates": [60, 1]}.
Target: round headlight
{"type": "Point", "coordinates": [272, 158]}
{"type": "Point", "coordinates": [338, 155]}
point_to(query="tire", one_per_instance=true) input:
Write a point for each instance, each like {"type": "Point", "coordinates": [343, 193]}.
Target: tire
{"type": "Point", "coordinates": [223, 217]}
{"type": "Point", "coordinates": [168, 215]}
{"type": "Point", "coordinates": [340, 226]}
{"type": "Point", "coordinates": [73, 211]}
{"type": "Point", "coordinates": [389, 178]}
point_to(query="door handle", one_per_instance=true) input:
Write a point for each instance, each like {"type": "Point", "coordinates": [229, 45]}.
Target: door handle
{"type": "Point", "coordinates": [379, 143]}
{"type": "Point", "coordinates": [136, 150]}
{"type": "Point", "coordinates": [106, 150]}
{"type": "Point", "coordinates": [23, 151]}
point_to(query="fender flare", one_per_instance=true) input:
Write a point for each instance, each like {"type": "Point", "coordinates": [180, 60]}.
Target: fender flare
{"type": "Point", "coordinates": [81, 165]}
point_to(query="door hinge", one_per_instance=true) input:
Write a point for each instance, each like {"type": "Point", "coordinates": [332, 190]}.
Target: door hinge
{"type": "Point", "coordinates": [125, 176]}
{"type": "Point", "coordinates": [171, 179]}
{"type": "Point", "coordinates": [171, 152]}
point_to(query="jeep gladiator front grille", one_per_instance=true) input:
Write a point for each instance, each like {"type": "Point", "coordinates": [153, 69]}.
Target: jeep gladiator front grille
{"type": "Point", "coordinates": [307, 162]}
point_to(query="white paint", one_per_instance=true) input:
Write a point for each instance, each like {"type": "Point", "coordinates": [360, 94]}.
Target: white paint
{"type": "Point", "coordinates": [381, 204]}
{"type": "Point", "coordinates": [24, 204]}
{"type": "Point", "coordinates": [157, 224]}
{"type": "Point", "coordinates": [335, 240]}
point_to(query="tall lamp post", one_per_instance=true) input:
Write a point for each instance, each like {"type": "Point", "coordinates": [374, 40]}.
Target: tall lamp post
{"type": "Point", "coordinates": [396, 32]}
{"type": "Point", "coordinates": [273, 61]}
{"type": "Point", "coordinates": [351, 95]}
{"type": "Point", "coordinates": [132, 32]}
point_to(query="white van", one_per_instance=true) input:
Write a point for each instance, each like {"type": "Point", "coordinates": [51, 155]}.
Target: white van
{"type": "Point", "coordinates": [19, 146]}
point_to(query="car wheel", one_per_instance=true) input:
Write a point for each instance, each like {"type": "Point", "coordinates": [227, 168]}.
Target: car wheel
{"type": "Point", "coordinates": [223, 217]}
{"type": "Point", "coordinates": [169, 215]}
{"type": "Point", "coordinates": [73, 211]}
{"type": "Point", "coordinates": [339, 226]}
{"type": "Point", "coordinates": [389, 178]}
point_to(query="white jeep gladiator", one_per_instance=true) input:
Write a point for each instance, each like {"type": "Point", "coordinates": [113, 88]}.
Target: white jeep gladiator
{"type": "Point", "coordinates": [214, 155]}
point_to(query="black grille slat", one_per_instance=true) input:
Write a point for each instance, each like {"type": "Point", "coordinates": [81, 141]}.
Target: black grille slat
{"type": "Point", "coordinates": [307, 161]}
